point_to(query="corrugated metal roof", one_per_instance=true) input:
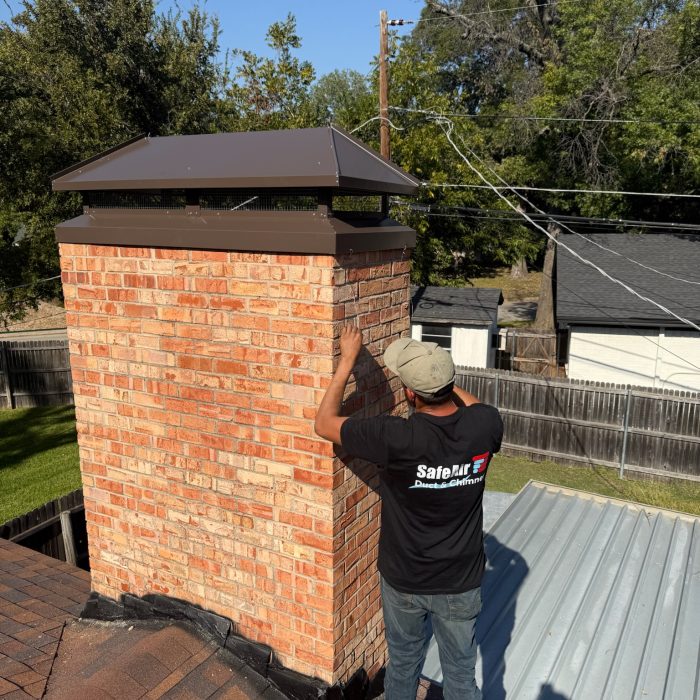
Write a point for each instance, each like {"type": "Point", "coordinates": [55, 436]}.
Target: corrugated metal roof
{"type": "Point", "coordinates": [455, 304]}
{"type": "Point", "coordinates": [587, 597]}
{"type": "Point", "coordinates": [585, 296]}
{"type": "Point", "coordinates": [292, 158]}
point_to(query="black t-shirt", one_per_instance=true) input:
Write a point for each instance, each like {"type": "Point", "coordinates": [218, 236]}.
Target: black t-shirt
{"type": "Point", "coordinates": [432, 472]}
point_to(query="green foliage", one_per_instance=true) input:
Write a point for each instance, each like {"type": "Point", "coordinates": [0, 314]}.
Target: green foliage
{"type": "Point", "coordinates": [451, 246]}
{"type": "Point", "coordinates": [271, 93]}
{"type": "Point", "coordinates": [630, 61]}
{"type": "Point", "coordinates": [344, 98]}
{"type": "Point", "coordinates": [78, 76]}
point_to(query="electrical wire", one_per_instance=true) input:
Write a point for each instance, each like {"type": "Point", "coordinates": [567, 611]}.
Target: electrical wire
{"type": "Point", "coordinates": [558, 222]}
{"type": "Point", "coordinates": [40, 318]}
{"type": "Point", "coordinates": [549, 218]}
{"type": "Point", "coordinates": [29, 284]}
{"type": "Point", "coordinates": [502, 215]}
{"type": "Point", "coordinates": [464, 15]}
{"type": "Point", "coordinates": [558, 190]}
{"type": "Point", "coordinates": [436, 115]}
{"type": "Point", "coordinates": [447, 127]}
{"type": "Point", "coordinates": [525, 117]}
{"type": "Point", "coordinates": [373, 119]}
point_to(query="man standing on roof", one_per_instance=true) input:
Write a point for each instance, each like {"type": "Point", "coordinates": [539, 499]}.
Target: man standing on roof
{"type": "Point", "coordinates": [432, 468]}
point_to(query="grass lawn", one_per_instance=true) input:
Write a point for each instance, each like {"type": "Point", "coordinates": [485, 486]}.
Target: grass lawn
{"type": "Point", "coordinates": [38, 458]}
{"type": "Point", "coordinates": [39, 462]}
{"type": "Point", "coordinates": [510, 474]}
{"type": "Point", "coordinates": [513, 288]}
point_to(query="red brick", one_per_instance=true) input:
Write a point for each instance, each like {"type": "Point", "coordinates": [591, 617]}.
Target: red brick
{"type": "Point", "coordinates": [200, 403]}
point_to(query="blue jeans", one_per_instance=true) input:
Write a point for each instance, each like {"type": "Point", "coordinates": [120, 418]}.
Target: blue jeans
{"type": "Point", "coordinates": [453, 619]}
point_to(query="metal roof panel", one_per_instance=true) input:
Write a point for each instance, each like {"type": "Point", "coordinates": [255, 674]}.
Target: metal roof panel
{"type": "Point", "coordinates": [588, 597]}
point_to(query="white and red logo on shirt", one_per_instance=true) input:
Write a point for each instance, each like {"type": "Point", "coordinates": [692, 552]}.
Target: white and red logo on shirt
{"type": "Point", "coordinates": [465, 474]}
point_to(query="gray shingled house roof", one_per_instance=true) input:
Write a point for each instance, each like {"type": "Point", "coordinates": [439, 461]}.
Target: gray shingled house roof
{"type": "Point", "coordinates": [585, 296]}
{"type": "Point", "coordinates": [455, 305]}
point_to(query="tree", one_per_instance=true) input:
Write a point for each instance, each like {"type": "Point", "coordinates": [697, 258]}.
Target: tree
{"type": "Point", "coordinates": [630, 67]}
{"type": "Point", "coordinates": [78, 76]}
{"type": "Point", "coordinates": [451, 246]}
{"type": "Point", "coordinates": [270, 93]}
{"type": "Point", "coordinates": [344, 98]}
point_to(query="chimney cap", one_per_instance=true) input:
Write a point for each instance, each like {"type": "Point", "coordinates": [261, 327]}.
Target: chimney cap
{"type": "Point", "coordinates": [325, 157]}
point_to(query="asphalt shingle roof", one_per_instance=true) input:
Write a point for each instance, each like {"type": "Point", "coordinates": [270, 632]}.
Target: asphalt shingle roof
{"type": "Point", "coordinates": [455, 305]}
{"type": "Point", "coordinates": [586, 296]}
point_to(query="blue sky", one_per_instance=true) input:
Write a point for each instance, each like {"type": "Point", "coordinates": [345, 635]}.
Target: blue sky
{"type": "Point", "coordinates": [335, 35]}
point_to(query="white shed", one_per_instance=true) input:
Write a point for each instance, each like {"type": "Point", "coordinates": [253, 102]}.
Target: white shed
{"type": "Point", "coordinates": [613, 335]}
{"type": "Point", "coordinates": [460, 319]}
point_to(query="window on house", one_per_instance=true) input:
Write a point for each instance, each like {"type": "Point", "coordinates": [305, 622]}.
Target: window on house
{"type": "Point", "coordinates": [442, 335]}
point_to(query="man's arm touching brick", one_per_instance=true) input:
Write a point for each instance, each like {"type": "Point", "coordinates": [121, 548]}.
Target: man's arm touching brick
{"type": "Point", "coordinates": [328, 419]}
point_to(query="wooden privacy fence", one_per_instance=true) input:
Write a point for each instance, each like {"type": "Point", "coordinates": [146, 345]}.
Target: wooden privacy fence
{"type": "Point", "coordinates": [530, 351]}
{"type": "Point", "coordinates": [646, 430]}
{"type": "Point", "coordinates": [35, 373]}
{"type": "Point", "coordinates": [56, 529]}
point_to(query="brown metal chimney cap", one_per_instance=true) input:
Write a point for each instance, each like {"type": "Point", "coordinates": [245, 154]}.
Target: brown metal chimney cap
{"type": "Point", "coordinates": [293, 158]}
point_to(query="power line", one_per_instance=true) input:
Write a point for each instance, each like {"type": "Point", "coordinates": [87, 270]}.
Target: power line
{"type": "Point", "coordinates": [447, 127]}
{"type": "Point", "coordinates": [464, 15]}
{"type": "Point", "coordinates": [29, 284]}
{"type": "Point", "coordinates": [374, 119]}
{"type": "Point", "coordinates": [558, 221]}
{"type": "Point", "coordinates": [558, 190]}
{"type": "Point", "coordinates": [526, 117]}
{"type": "Point", "coordinates": [548, 217]}
{"type": "Point", "coordinates": [40, 318]}
{"type": "Point", "coordinates": [502, 214]}
{"type": "Point", "coordinates": [435, 116]}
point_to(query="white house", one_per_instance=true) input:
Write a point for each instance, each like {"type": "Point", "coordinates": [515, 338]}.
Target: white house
{"type": "Point", "coordinates": [460, 319]}
{"type": "Point", "coordinates": [613, 335]}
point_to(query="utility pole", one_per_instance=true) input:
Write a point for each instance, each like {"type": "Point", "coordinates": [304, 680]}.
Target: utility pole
{"type": "Point", "coordinates": [385, 149]}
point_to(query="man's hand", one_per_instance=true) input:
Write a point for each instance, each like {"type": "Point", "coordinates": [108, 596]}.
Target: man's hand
{"type": "Point", "coordinates": [328, 419]}
{"type": "Point", "coordinates": [350, 344]}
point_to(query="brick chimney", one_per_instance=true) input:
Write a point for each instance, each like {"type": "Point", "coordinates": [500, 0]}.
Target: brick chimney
{"type": "Point", "coordinates": [205, 285]}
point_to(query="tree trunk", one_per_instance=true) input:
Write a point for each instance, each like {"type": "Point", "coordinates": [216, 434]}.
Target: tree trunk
{"type": "Point", "coordinates": [544, 319]}
{"type": "Point", "coordinates": [519, 268]}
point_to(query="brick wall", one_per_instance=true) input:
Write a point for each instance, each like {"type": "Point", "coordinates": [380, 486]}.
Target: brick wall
{"type": "Point", "coordinates": [196, 377]}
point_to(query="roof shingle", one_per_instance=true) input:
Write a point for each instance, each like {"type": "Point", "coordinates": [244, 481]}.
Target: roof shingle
{"type": "Point", "coordinates": [585, 296]}
{"type": "Point", "coordinates": [455, 305]}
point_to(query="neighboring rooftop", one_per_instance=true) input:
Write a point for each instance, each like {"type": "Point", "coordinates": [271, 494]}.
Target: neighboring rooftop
{"type": "Point", "coordinates": [291, 158]}
{"type": "Point", "coordinates": [585, 296]}
{"type": "Point", "coordinates": [588, 597]}
{"type": "Point", "coordinates": [471, 305]}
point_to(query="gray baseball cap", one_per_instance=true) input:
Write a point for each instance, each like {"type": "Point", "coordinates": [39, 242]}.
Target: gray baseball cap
{"type": "Point", "coordinates": [424, 367]}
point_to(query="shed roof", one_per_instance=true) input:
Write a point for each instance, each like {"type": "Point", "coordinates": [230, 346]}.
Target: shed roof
{"type": "Point", "coordinates": [588, 597]}
{"type": "Point", "coordinates": [455, 305]}
{"type": "Point", "coordinates": [584, 296]}
{"type": "Point", "coordinates": [292, 158]}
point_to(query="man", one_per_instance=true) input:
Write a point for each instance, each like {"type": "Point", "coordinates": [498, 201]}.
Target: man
{"type": "Point", "coordinates": [432, 468]}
